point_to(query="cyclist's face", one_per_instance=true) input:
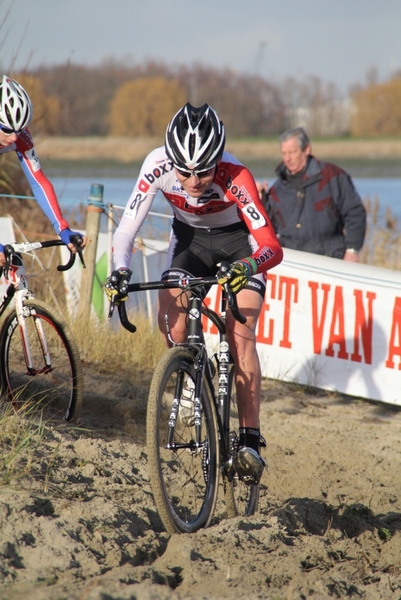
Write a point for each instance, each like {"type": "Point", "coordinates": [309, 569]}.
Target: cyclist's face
{"type": "Point", "coordinates": [293, 157]}
{"type": "Point", "coordinates": [195, 185]}
{"type": "Point", "coordinates": [7, 140]}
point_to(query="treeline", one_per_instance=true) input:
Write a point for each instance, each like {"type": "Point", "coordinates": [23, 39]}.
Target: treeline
{"type": "Point", "coordinates": [114, 99]}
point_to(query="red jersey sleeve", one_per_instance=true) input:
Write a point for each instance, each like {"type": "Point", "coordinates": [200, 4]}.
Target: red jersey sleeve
{"type": "Point", "coordinates": [241, 187]}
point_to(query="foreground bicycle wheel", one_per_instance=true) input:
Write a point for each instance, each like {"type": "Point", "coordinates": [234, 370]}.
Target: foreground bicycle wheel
{"type": "Point", "coordinates": [184, 477]}
{"type": "Point", "coordinates": [57, 384]}
{"type": "Point", "coordinates": [241, 499]}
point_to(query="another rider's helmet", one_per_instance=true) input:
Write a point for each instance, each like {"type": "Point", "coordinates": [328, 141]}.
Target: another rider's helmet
{"type": "Point", "coordinates": [15, 106]}
{"type": "Point", "coordinates": [195, 138]}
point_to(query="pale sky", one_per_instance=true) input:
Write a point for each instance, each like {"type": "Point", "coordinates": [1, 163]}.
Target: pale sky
{"type": "Point", "coordinates": [335, 40]}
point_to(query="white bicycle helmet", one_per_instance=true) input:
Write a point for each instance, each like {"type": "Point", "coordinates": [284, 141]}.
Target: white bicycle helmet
{"type": "Point", "coordinates": [195, 138]}
{"type": "Point", "coordinates": [15, 105]}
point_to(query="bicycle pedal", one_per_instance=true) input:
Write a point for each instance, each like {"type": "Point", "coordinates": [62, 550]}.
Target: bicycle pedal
{"type": "Point", "coordinates": [248, 479]}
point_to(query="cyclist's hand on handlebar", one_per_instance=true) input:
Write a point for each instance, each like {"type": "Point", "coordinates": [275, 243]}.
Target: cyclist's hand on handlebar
{"type": "Point", "coordinates": [238, 274]}
{"type": "Point", "coordinates": [75, 241]}
{"type": "Point", "coordinates": [116, 285]}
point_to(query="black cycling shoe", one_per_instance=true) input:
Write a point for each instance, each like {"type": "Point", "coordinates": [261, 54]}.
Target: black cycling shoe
{"type": "Point", "coordinates": [249, 465]}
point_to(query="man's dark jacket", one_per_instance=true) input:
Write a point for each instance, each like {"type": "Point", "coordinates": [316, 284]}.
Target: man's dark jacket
{"type": "Point", "coordinates": [323, 214]}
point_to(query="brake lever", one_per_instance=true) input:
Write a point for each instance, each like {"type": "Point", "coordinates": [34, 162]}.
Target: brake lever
{"type": "Point", "coordinates": [77, 241]}
{"type": "Point", "coordinates": [8, 250]}
{"type": "Point", "coordinates": [232, 298]}
{"type": "Point", "coordinates": [112, 306]}
{"type": "Point", "coordinates": [232, 303]}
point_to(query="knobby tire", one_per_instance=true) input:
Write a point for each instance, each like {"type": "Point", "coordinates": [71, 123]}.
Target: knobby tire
{"type": "Point", "coordinates": [184, 481]}
{"type": "Point", "coordinates": [240, 498]}
{"type": "Point", "coordinates": [58, 389]}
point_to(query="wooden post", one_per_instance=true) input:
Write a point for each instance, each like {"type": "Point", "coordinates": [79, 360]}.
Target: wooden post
{"type": "Point", "coordinates": [93, 213]}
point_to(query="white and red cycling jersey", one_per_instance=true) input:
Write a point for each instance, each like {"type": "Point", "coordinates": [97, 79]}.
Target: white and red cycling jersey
{"type": "Point", "coordinates": [41, 187]}
{"type": "Point", "coordinates": [231, 198]}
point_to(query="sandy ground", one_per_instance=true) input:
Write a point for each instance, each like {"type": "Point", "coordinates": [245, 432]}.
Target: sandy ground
{"type": "Point", "coordinates": [84, 526]}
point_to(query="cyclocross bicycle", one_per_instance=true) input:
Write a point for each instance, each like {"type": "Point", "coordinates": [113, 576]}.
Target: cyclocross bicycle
{"type": "Point", "coordinates": [192, 427]}
{"type": "Point", "coordinates": [39, 358]}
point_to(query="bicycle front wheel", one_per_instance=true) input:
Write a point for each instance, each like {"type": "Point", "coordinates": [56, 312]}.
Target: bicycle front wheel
{"type": "Point", "coordinates": [54, 378]}
{"type": "Point", "coordinates": [241, 498]}
{"type": "Point", "coordinates": [183, 467]}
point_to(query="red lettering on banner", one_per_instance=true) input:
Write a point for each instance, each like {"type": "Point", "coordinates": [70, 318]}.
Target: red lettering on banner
{"type": "Point", "coordinates": [260, 335]}
{"type": "Point", "coordinates": [287, 283]}
{"type": "Point", "coordinates": [364, 326]}
{"type": "Point", "coordinates": [337, 327]}
{"type": "Point", "coordinates": [393, 347]}
{"type": "Point", "coordinates": [318, 324]}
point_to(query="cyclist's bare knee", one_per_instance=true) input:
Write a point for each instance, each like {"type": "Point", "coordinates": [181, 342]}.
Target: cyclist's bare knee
{"type": "Point", "coordinates": [172, 316]}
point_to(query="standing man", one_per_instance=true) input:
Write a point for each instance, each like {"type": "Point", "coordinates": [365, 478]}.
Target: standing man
{"type": "Point", "coordinates": [313, 205]}
{"type": "Point", "coordinates": [217, 217]}
{"type": "Point", "coordinates": [15, 115]}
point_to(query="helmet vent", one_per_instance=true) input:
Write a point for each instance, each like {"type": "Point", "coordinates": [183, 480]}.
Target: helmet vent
{"type": "Point", "coordinates": [15, 105]}
{"type": "Point", "coordinates": [195, 138]}
{"type": "Point", "coordinates": [192, 144]}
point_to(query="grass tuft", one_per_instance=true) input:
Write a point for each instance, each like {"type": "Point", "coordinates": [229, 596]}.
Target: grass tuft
{"type": "Point", "coordinates": [382, 247]}
{"type": "Point", "coordinates": [22, 432]}
{"type": "Point", "coordinates": [112, 349]}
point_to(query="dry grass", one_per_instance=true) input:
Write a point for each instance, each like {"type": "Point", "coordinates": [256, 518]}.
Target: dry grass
{"type": "Point", "coordinates": [382, 247]}
{"type": "Point", "coordinates": [132, 150]}
{"type": "Point", "coordinates": [112, 349]}
{"type": "Point", "coordinates": [22, 432]}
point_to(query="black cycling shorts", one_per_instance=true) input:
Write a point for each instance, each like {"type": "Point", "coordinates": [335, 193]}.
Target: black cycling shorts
{"type": "Point", "coordinates": [199, 251]}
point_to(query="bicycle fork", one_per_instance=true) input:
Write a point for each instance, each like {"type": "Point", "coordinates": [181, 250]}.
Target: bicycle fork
{"type": "Point", "coordinates": [229, 441]}
{"type": "Point", "coordinates": [195, 340]}
{"type": "Point", "coordinates": [197, 405]}
{"type": "Point", "coordinates": [17, 277]}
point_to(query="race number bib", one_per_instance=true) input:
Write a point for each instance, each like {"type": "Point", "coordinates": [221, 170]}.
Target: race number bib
{"type": "Point", "coordinates": [254, 216]}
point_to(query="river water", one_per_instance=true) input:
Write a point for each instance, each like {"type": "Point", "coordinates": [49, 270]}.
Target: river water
{"type": "Point", "coordinates": [75, 190]}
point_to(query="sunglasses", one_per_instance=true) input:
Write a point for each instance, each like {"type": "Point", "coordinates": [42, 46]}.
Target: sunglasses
{"type": "Point", "coordinates": [8, 131]}
{"type": "Point", "coordinates": [199, 174]}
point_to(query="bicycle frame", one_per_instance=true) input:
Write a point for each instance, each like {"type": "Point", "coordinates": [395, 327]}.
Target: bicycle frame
{"type": "Point", "coordinates": [18, 290]}
{"type": "Point", "coordinates": [195, 340]}
{"type": "Point", "coordinates": [15, 273]}
{"type": "Point", "coordinates": [192, 426]}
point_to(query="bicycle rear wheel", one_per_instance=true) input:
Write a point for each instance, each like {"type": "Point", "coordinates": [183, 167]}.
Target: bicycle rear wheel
{"type": "Point", "coordinates": [56, 383]}
{"type": "Point", "coordinates": [241, 498]}
{"type": "Point", "coordinates": [183, 476]}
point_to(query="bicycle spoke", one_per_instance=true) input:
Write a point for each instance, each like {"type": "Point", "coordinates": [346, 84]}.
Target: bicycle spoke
{"type": "Point", "coordinates": [53, 377]}
{"type": "Point", "coordinates": [184, 480]}
{"type": "Point", "coordinates": [241, 499]}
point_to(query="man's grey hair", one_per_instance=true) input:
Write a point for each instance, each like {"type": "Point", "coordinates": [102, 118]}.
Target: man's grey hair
{"type": "Point", "coordinates": [299, 133]}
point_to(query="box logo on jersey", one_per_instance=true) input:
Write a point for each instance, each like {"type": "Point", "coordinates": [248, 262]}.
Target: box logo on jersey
{"type": "Point", "coordinates": [265, 255]}
{"type": "Point", "coordinates": [163, 169]}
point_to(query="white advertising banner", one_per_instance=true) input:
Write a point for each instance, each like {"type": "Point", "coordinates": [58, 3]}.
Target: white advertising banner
{"type": "Point", "coordinates": [332, 324]}
{"type": "Point", "coordinates": [325, 322]}
{"type": "Point", "coordinates": [147, 264]}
